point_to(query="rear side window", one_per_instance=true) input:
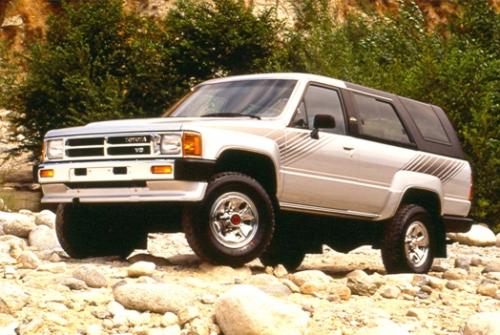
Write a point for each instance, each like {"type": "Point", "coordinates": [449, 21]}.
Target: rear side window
{"type": "Point", "coordinates": [427, 121]}
{"type": "Point", "coordinates": [378, 119]}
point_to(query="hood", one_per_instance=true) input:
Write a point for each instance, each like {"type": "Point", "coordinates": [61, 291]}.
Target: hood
{"type": "Point", "coordinates": [150, 125]}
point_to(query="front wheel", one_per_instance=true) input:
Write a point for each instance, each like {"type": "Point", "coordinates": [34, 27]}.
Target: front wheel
{"type": "Point", "coordinates": [235, 222]}
{"type": "Point", "coordinates": [409, 241]}
{"type": "Point", "coordinates": [94, 231]}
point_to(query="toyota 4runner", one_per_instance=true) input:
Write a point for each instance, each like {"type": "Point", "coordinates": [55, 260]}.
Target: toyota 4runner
{"type": "Point", "coordinates": [270, 166]}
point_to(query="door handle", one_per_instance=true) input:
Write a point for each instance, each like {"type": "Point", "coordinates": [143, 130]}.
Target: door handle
{"type": "Point", "coordinates": [348, 148]}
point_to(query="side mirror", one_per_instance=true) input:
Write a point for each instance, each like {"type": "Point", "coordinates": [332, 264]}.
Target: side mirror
{"type": "Point", "coordinates": [322, 121]}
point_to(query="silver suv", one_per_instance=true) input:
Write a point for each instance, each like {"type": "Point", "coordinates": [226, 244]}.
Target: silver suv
{"type": "Point", "coordinates": [270, 166]}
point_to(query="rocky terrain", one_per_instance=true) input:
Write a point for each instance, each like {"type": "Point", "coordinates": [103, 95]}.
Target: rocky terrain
{"type": "Point", "coordinates": [167, 290]}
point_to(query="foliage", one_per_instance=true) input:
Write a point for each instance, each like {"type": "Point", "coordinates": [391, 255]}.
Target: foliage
{"type": "Point", "coordinates": [457, 70]}
{"type": "Point", "coordinates": [8, 76]}
{"type": "Point", "coordinates": [99, 62]}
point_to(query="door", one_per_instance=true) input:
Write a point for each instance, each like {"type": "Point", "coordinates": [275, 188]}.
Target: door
{"type": "Point", "coordinates": [384, 146]}
{"type": "Point", "coordinates": [320, 174]}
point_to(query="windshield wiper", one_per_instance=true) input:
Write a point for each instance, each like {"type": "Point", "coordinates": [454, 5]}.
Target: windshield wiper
{"type": "Point", "coordinates": [231, 115]}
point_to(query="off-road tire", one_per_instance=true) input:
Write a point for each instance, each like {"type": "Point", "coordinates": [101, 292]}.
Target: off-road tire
{"type": "Point", "coordinates": [95, 231]}
{"type": "Point", "coordinates": [393, 247]}
{"type": "Point", "coordinates": [196, 225]}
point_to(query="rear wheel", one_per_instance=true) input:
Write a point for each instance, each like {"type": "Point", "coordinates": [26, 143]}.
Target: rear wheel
{"type": "Point", "coordinates": [94, 231]}
{"type": "Point", "coordinates": [235, 222]}
{"type": "Point", "coordinates": [409, 241]}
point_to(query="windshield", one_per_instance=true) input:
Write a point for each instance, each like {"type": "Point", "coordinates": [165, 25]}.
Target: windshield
{"type": "Point", "coordinates": [251, 98]}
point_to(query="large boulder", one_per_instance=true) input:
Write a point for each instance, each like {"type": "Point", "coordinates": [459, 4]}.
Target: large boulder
{"type": "Point", "coordinates": [46, 218]}
{"type": "Point", "coordinates": [16, 224]}
{"type": "Point", "coordinates": [247, 310]}
{"type": "Point", "coordinates": [43, 238]}
{"type": "Point", "coordinates": [486, 323]}
{"type": "Point", "coordinates": [12, 298]}
{"type": "Point", "coordinates": [158, 298]}
{"type": "Point", "coordinates": [478, 235]}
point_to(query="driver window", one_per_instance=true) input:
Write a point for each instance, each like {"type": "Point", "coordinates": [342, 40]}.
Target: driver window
{"type": "Point", "coordinates": [320, 100]}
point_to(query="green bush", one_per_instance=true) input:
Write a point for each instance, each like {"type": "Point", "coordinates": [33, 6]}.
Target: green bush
{"type": "Point", "coordinates": [454, 66]}
{"type": "Point", "coordinates": [100, 63]}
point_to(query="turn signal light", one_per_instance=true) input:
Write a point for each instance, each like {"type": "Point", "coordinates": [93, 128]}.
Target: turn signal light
{"type": "Point", "coordinates": [161, 169]}
{"type": "Point", "coordinates": [191, 144]}
{"type": "Point", "coordinates": [49, 173]}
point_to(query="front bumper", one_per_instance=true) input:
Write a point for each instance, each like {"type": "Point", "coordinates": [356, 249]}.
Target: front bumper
{"type": "Point", "coordinates": [125, 181]}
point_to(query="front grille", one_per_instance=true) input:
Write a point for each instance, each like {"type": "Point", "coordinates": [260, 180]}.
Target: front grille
{"type": "Point", "coordinates": [103, 146]}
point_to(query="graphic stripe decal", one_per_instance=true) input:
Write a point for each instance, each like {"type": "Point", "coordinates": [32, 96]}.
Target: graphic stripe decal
{"type": "Point", "coordinates": [444, 169]}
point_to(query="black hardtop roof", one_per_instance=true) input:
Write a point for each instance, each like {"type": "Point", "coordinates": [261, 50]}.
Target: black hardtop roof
{"type": "Point", "coordinates": [406, 107]}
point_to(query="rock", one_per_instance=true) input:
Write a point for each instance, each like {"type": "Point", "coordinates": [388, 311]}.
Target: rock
{"type": "Point", "coordinates": [280, 271]}
{"type": "Point", "coordinates": [43, 238]}
{"type": "Point", "coordinates": [455, 274]}
{"type": "Point", "coordinates": [498, 240]}
{"type": "Point", "coordinates": [158, 298]}
{"type": "Point", "coordinates": [476, 261]}
{"type": "Point", "coordinates": [12, 298]}
{"type": "Point", "coordinates": [339, 291]}
{"type": "Point", "coordinates": [13, 245]}
{"type": "Point", "coordinates": [382, 327]}
{"type": "Point", "coordinates": [360, 283]}
{"type": "Point", "coordinates": [269, 284]}
{"type": "Point", "coordinates": [313, 288]}
{"type": "Point", "coordinates": [463, 262]}
{"type": "Point", "coordinates": [247, 310]}
{"type": "Point", "coordinates": [91, 276]}
{"type": "Point", "coordinates": [414, 313]}
{"type": "Point", "coordinates": [169, 319]}
{"type": "Point", "coordinates": [302, 277]}
{"type": "Point", "coordinates": [141, 269]}
{"type": "Point", "coordinates": [93, 330]}
{"type": "Point", "coordinates": [73, 283]}
{"type": "Point", "coordinates": [46, 218]}
{"type": "Point", "coordinates": [2, 204]}
{"type": "Point", "coordinates": [489, 305]}
{"type": "Point", "coordinates": [187, 314]}
{"type": "Point", "coordinates": [478, 235]}
{"type": "Point", "coordinates": [487, 289]}
{"type": "Point", "coordinates": [13, 21]}
{"type": "Point", "coordinates": [225, 274]}
{"type": "Point", "coordinates": [485, 323]}
{"type": "Point", "coordinates": [208, 299]}
{"type": "Point", "coordinates": [492, 266]}
{"type": "Point", "coordinates": [199, 326]}
{"type": "Point", "coordinates": [28, 260]}
{"type": "Point", "coordinates": [172, 330]}
{"type": "Point", "coordinates": [390, 292]}
{"type": "Point", "coordinates": [17, 224]}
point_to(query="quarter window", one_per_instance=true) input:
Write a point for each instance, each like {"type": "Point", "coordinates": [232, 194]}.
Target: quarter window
{"type": "Point", "coordinates": [320, 100]}
{"type": "Point", "coordinates": [379, 119]}
{"type": "Point", "coordinates": [427, 121]}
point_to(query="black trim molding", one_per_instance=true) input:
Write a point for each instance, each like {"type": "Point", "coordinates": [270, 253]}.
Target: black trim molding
{"type": "Point", "coordinates": [193, 169]}
{"type": "Point", "coordinates": [457, 224]}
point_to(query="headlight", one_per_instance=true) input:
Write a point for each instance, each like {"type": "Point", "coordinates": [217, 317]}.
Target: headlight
{"type": "Point", "coordinates": [55, 149]}
{"type": "Point", "coordinates": [170, 144]}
